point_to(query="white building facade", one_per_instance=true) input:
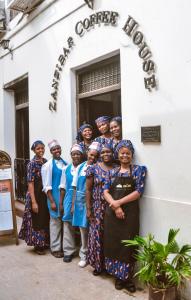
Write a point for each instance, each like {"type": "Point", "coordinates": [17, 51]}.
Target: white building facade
{"type": "Point", "coordinates": [147, 47]}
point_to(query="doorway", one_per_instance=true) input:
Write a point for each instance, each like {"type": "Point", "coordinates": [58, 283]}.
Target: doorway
{"type": "Point", "coordinates": [99, 92]}
{"type": "Point", "coordinates": [21, 102]}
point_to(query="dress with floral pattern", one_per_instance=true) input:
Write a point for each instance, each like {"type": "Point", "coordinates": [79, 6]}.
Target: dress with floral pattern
{"type": "Point", "coordinates": [115, 267]}
{"type": "Point", "coordinates": [95, 256]}
{"type": "Point", "coordinates": [103, 140]}
{"type": "Point", "coordinates": [35, 227]}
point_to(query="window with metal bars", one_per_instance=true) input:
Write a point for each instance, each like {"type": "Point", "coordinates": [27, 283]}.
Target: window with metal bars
{"type": "Point", "coordinates": [100, 77]}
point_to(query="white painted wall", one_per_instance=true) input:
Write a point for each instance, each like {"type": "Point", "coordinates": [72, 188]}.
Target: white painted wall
{"type": "Point", "coordinates": [165, 25]}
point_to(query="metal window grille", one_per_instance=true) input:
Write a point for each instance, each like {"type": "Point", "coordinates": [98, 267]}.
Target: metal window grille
{"type": "Point", "coordinates": [99, 78]}
{"type": "Point", "coordinates": [20, 171]}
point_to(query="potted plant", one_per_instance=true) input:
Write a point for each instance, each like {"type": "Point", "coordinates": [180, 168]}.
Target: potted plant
{"type": "Point", "coordinates": [162, 266]}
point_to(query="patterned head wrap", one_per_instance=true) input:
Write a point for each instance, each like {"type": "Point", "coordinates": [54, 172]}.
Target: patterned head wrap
{"type": "Point", "coordinates": [79, 137]}
{"type": "Point", "coordinates": [103, 119]}
{"type": "Point", "coordinates": [53, 143]}
{"type": "Point", "coordinates": [95, 146]}
{"type": "Point", "coordinates": [117, 119]}
{"type": "Point", "coordinates": [35, 144]}
{"type": "Point", "coordinates": [76, 147]}
{"type": "Point", "coordinates": [106, 145]}
{"type": "Point", "coordinates": [125, 144]}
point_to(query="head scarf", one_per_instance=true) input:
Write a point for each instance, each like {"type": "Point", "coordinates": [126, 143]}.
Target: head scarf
{"type": "Point", "coordinates": [79, 137]}
{"type": "Point", "coordinates": [53, 143]}
{"type": "Point", "coordinates": [103, 119]}
{"type": "Point", "coordinates": [35, 144]}
{"type": "Point", "coordinates": [76, 147]}
{"type": "Point", "coordinates": [95, 146]}
{"type": "Point", "coordinates": [117, 119]}
{"type": "Point", "coordinates": [106, 145]}
{"type": "Point", "coordinates": [125, 144]}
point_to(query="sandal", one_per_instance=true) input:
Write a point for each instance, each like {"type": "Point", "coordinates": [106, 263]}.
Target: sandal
{"type": "Point", "coordinates": [119, 284]}
{"type": "Point", "coordinates": [96, 273]}
{"type": "Point", "coordinates": [57, 254]}
{"type": "Point", "coordinates": [129, 285]}
{"type": "Point", "coordinates": [39, 251]}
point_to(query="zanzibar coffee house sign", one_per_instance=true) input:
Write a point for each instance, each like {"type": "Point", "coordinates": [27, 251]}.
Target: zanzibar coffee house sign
{"type": "Point", "coordinates": [108, 18]}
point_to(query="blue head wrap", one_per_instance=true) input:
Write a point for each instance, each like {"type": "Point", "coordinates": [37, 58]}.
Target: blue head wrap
{"type": "Point", "coordinates": [117, 119]}
{"type": "Point", "coordinates": [126, 144]}
{"type": "Point", "coordinates": [103, 119]}
{"type": "Point", "coordinates": [35, 144]}
{"type": "Point", "coordinates": [79, 137]}
{"type": "Point", "coordinates": [107, 145]}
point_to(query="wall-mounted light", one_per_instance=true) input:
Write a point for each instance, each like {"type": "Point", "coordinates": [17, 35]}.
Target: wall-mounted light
{"type": "Point", "coordinates": [5, 45]}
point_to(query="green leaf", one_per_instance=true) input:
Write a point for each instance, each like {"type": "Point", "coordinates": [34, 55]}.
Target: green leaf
{"type": "Point", "coordinates": [172, 234]}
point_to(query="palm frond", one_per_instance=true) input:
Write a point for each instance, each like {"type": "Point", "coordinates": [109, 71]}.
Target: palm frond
{"type": "Point", "coordinates": [172, 234]}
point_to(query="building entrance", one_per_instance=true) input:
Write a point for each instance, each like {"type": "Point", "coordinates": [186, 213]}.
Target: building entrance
{"type": "Point", "coordinates": [99, 92]}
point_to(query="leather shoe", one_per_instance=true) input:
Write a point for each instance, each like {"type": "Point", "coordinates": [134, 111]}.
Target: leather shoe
{"type": "Point", "coordinates": [67, 258]}
{"type": "Point", "coordinates": [57, 254]}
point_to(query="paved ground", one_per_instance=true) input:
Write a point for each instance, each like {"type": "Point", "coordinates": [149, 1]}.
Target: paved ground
{"type": "Point", "coordinates": [27, 276]}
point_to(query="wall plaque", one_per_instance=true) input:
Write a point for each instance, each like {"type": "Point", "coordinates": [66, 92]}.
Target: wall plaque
{"type": "Point", "coordinates": [151, 134]}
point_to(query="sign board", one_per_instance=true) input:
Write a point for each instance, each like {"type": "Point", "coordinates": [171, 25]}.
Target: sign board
{"type": "Point", "coordinates": [8, 225]}
{"type": "Point", "coordinates": [151, 134]}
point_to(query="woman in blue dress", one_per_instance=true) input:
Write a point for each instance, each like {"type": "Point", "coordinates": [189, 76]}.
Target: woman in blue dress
{"type": "Point", "coordinates": [123, 188]}
{"type": "Point", "coordinates": [67, 190]}
{"type": "Point", "coordinates": [84, 138]}
{"type": "Point", "coordinates": [96, 205]}
{"type": "Point", "coordinates": [80, 211]}
{"type": "Point", "coordinates": [51, 175]}
{"type": "Point", "coordinates": [35, 225]}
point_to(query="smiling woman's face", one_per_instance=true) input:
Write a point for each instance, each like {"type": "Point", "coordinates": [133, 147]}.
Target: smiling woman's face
{"type": "Point", "coordinates": [76, 157]}
{"type": "Point", "coordinates": [87, 133]}
{"type": "Point", "coordinates": [106, 155]}
{"type": "Point", "coordinates": [115, 129]}
{"type": "Point", "coordinates": [92, 156]}
{"type": "Point", "coordinates": [125, 155]}
{"type": "Point", "coordinates": [103, 127]}
{"type": "Point", "coordinates": [39, 150]}
{"type": "Point", "coordinates": [56, 152]}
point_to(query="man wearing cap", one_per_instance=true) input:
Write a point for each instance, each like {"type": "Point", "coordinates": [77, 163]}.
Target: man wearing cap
{"type": "Point", "coordinates": [51, 175]}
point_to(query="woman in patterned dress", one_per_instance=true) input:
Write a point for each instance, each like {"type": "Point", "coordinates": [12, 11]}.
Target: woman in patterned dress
{"type": "Point", "coordinates": [84, 138]}
{"type": "Point", "coordinates": [124, 186]}
{"type": "Point", "coordinates": [35, 225]}
{"type": "Point", "coordinates": [116, 131]}
{"type": "Point", "coordinates": [103, 127]}
{"type": "Point", "coordinates": [96, 207]}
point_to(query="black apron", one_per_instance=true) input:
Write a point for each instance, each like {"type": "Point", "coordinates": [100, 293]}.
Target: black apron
{"type": "Point", "coordinates": [116, 230]}
{"type": "Point", "coordinates": [41, 219]}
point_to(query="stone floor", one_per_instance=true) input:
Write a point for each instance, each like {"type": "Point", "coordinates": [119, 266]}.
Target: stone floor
{"type": "Point", "coordinates": [27, 276]}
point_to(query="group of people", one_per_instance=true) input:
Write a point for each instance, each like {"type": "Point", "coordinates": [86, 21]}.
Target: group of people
{"type": "Point", "coordinates": [98, 192]}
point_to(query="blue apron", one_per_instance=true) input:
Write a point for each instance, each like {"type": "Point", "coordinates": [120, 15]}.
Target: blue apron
{"type": "Point", "coordinates": [56, 176]}
{"type": "Point", "coordinates": [79, 216]}
{"type": "Point", "coordinates": [68, 196]}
